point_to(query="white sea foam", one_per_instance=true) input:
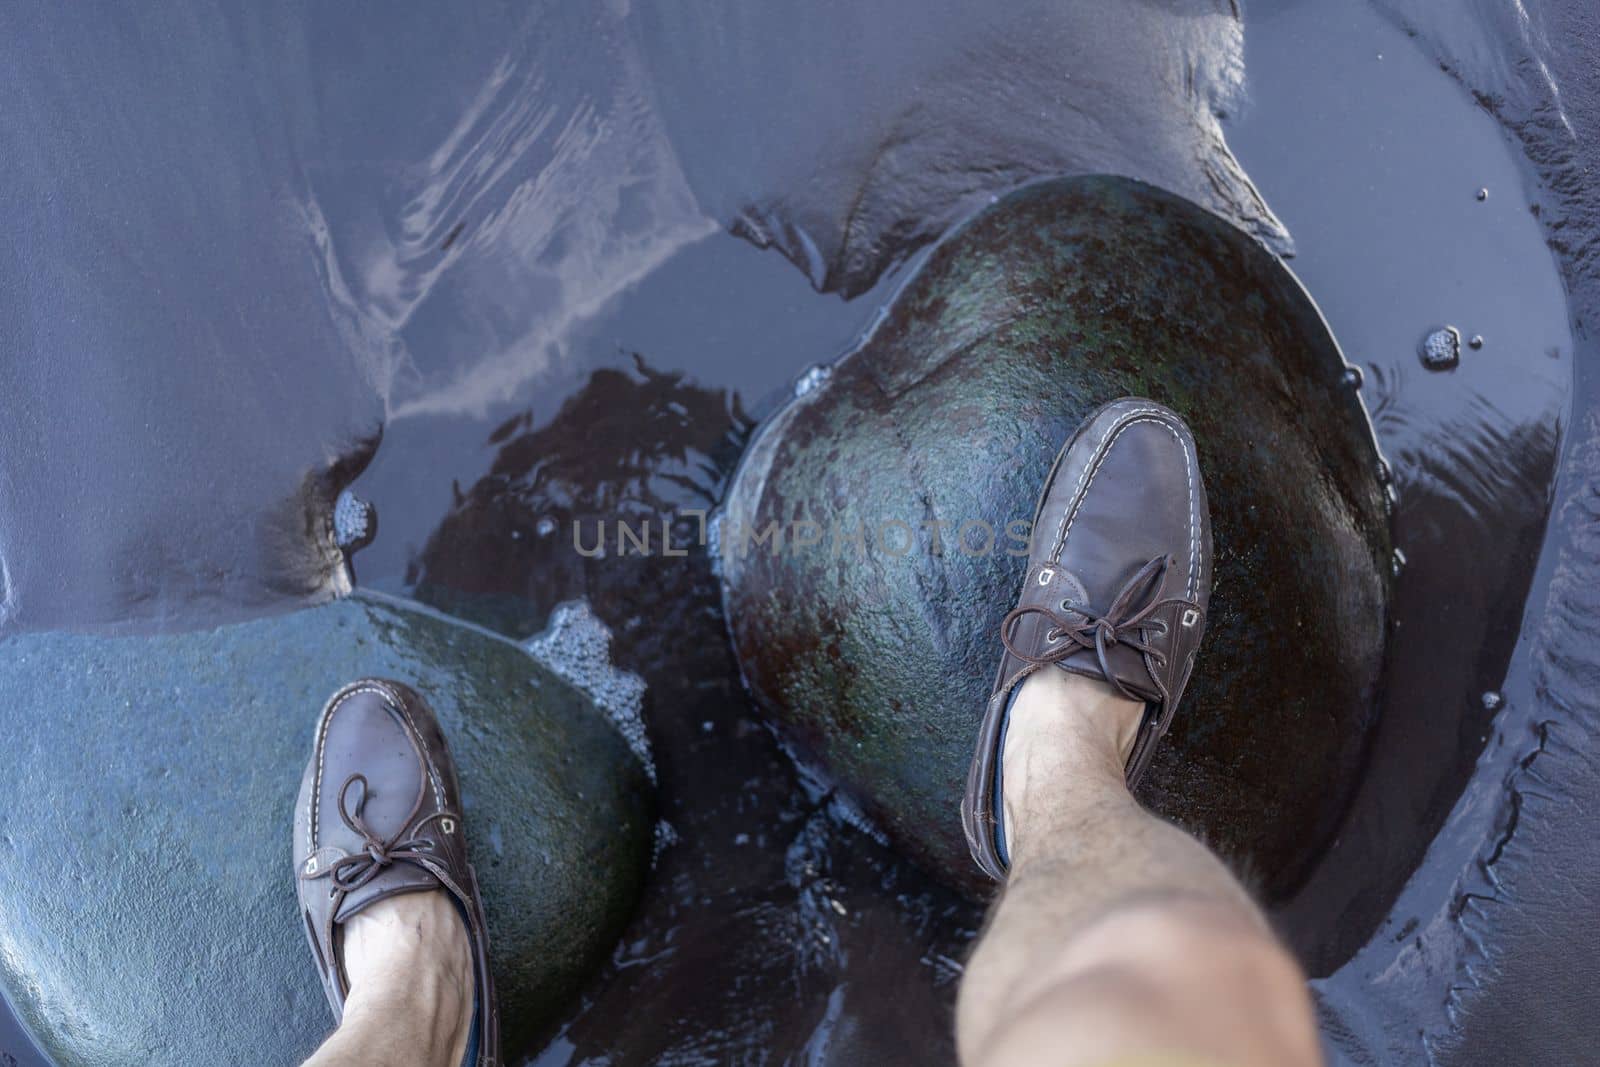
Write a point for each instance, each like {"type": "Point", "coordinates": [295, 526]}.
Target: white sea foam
{"type": "Point", "coordinates": [576, 645]}
{"type": "Point", "coordinates": [811, 380]}
{"type": "Point", "coordinates": [352, 520]}
{"type": "Point", "coordinates": [666, 837]}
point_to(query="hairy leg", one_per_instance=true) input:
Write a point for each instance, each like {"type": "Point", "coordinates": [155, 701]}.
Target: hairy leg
{"type": "Point", "coordinates": [411, 986]}
{"type": "Point", "coordinates": [1119, 938]}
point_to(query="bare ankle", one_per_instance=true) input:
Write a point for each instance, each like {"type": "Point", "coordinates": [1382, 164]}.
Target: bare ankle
{"type": "Point", "coordinates": [1085, 719]}
{"type": "Point", "coordinates": [1066, 735]}
{"type": "Point", "coordinates": [410, 971]}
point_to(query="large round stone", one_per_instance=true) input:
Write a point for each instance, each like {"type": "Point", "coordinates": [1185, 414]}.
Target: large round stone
{"type": "Point", "coordinates": [876, 651]}
{"type": "Point", "coordinates": [147, 909]}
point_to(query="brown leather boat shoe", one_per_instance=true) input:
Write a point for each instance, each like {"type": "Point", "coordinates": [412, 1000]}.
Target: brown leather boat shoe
{"type": "Point", "coordinates": [1118, 580]}
{"type": "Point", "coordinates": [379, 814]}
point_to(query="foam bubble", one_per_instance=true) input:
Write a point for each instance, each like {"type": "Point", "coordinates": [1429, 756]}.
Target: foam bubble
{"type": "Point", "coordinates": [666, 837]}
{"type": "Point", "coordinates": [811, 379]}
{"type": "Point", "coordinates": [576, 646]}
{"type": "Point", "coordinates": [354, 521]}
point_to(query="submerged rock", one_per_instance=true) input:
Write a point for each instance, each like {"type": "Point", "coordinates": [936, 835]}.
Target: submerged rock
{"type": "Point", "coordinates": [872, 538]}
{"type": "Point", "coordinates": [146, 909]}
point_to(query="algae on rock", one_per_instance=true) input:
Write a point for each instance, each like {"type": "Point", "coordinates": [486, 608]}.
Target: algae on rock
{"type": "Point", "coordinates": [869, 545]}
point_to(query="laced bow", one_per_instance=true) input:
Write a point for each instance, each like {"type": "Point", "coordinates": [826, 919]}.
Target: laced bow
{"type": "Point", "coordinates": [351, 872]}
{"type": "Point", "coordinates": [1124, 623]}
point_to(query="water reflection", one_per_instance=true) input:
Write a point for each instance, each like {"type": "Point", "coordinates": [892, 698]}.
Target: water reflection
{"type": "Point", "coordinates": [847, 134]}
{"type": "Point", "coordinates": [243, 238]}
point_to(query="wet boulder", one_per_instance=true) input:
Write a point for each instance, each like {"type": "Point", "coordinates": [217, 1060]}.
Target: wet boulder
{"type": "Point", "coordinates": [147, 910]}
{"type": "Point", "coordinates": [874, 534]}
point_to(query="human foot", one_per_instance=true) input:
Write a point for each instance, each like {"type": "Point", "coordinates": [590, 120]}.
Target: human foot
{"type": "Point", "coordinates": [409, 967]}
{"type": "Point", "coordinates": [383, 876]}
{"type": "Point", "coordinates": [1116, 590]}
{"type": "Point", "coordinates": [1063, 732]}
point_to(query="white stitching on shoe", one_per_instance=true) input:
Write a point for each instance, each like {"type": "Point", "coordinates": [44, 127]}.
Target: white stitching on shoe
{"type": "Point", "coordinates": [1092, 470]}
{"type": "Point", "coordinates": [1076, 498]}
{"type": "Point", "coordinates": [394, 700]}
{"type": "Point", "coordinates": [321, 747]}
{"type": "Point", "coordinates": [422, 749]}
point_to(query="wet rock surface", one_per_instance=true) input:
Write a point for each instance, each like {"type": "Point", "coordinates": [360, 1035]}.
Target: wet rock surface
{"type": "Point", "coordinates": [877, 651]}
{"type": "Point", "coordinates": [146, 908]}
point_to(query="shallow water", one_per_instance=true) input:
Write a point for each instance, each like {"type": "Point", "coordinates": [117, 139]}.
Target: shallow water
{"type": "Point", "coordinates": [1497, 917]}
{"type": "Point", "coordinates": [1392, 241]}
{"type": "Point", "coordinates": [244, 243]}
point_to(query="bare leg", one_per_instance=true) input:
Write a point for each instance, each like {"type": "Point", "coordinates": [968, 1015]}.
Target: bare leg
{"type": "Point", "coordinates": [411, 986]}
{"type": "Point", "coordinates": [1119, 938]}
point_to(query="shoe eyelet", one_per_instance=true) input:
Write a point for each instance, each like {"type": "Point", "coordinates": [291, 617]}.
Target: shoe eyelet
{"type": "Point", "coordinates": [1052, 637]}
{"type": "Point", "coordinates": [1066, 605]}
{"type": "Point", "coordinates": [447, 825]}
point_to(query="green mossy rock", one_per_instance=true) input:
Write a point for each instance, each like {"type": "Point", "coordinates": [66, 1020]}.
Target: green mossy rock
{"type": "Point", "coordinates": [147, 909]}
{"type": "Point", "coordinates": [1054, 300]}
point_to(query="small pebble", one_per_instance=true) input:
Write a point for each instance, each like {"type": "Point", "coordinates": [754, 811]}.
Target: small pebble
{"type": "Point", "coordinates": [545, 526]}
{"type": "Point", "coordinates": [1483, 194]}
{"type": "Point", "coordinates": [1492, 701]}
{"type": "Point", "coordinates": [1352, 377]}
{"type": "Point", "coordinates": [1477, 341]}
{"type": "Point", "coordinates": [1441, 349]}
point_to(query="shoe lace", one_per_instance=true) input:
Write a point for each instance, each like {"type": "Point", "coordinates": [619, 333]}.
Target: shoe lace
{"type": "Point", "coordinates": [1124, 623]}
{"type": "Point", "coordinates": [351, 872]}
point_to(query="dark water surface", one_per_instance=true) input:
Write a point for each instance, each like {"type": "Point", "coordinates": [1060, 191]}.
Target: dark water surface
{"type": "Point", "coordinates": [1498, 919]}
{"type": "Point", "coordinates": [1393, 242]}
{"type": "Point", "coordinates": [523, 244]}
